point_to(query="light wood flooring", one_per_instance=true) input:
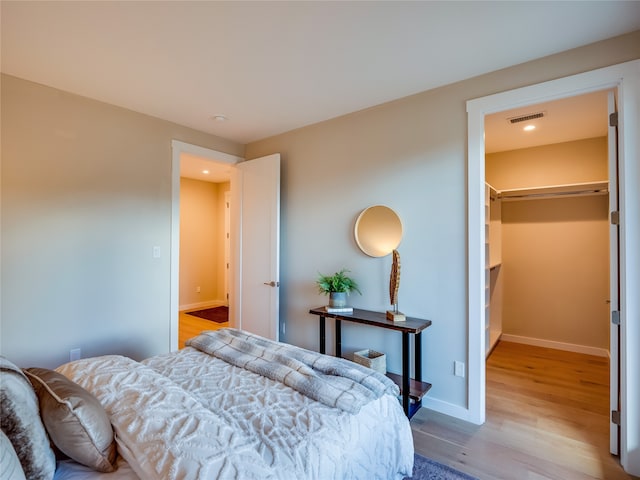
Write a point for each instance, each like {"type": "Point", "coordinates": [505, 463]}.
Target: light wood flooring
{"type": "Point", "coordinates": [547, 418]}
{"type": "Point", "coordinates": [190, 326]}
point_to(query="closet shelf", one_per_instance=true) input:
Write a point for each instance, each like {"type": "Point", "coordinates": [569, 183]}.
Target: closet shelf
{"type": "Point", "coordinates": [554, 191]}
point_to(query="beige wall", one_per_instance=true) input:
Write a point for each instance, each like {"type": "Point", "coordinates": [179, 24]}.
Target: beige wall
{"type": "Point", "coordinates": [202, 229]}
{"type": "Point", "coordinates": [555, 252]}
{"type": "Point", "coordinates": [86, 195]}
{"type": "Point", "coordinates": [570, 162]}
{"type": "Point", "coordinates": [556, 270]}
{"type": "Point", "coordinates": [410, 154]}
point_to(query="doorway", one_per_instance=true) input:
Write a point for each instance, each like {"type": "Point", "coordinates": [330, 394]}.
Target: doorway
{"type": "Point", "coordinates": [254, 276]}
{"type": "Point", "coordinates": [204, 238]}
{"type": "Point", "coordinates": [204, 234]}
{"type": "Point", "coordinates": [190, 161]}
{"type": "Point", "coordinates": [550, 265]}
{"type": "Point", "coordinates": [555, 201]}
{"type": "Point", "coordinates": [547, 167]}
{"type": "Point", "coordinates": [624, 79]}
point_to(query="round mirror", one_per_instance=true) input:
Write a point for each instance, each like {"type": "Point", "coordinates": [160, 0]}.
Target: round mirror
{"type": "Point", "coordinates": [378, 231]}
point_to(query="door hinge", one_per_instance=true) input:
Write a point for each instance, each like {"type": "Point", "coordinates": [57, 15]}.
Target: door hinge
{"type": "Point", "coordinates": [615, 217]}
{"type": "Point", "coordinates": [615, 417]}
{"type": "Point", "coordinates": [613, 119]}
{"type": "Point", "coordinates": [615, 317]}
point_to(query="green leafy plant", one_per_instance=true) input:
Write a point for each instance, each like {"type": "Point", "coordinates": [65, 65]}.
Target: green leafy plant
{"type": "Point", "coordinates": [338, 282]}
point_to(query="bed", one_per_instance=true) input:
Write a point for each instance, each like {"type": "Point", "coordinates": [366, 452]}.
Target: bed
{"type": "Point", "coordinates": [235, 405]}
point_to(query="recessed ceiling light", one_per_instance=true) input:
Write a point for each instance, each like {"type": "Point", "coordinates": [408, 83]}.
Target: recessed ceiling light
{"type": "Point", "coordinates": [529, 128]}
{"type": "Point", "coordinates": [220, 117]}
{"type": "Point", "coordinates": [206, 172]}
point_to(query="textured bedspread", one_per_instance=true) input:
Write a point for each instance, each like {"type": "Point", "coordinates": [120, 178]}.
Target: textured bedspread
{"type": "Point", "coordinates": [297, 436]}
{"type": "Point", "coordinates": [336, 382]}
{"type": "Point", "coordinates": [190, 415]}
{"type": "Point", "coordinates": [163, 431]}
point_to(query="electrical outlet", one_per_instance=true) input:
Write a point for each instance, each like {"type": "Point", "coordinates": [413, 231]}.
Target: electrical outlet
{"type": "Point", "coordinates": [458, 369]}
{"type": "Point", "coordinates": [197, 289]}
{"type": "Point", "coordinates": [75, 354]}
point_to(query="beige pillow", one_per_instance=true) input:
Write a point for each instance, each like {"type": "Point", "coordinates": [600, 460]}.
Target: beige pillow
{"type": "Point", "coordinates": [76, 422]}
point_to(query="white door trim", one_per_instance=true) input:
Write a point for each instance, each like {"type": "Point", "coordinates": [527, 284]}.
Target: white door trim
{"type": "Point", "coordinates": [178, 148]}
{"type": "Point", "coordinates": [625, 78]}
{"type": "Point", "coordinates": [227, 245]}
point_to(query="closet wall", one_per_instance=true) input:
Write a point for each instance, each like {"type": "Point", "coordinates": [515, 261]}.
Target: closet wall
{"type": "Point", "coordinates": [202, 265]}
{"type": "Point", "coordinates": [555, 251]}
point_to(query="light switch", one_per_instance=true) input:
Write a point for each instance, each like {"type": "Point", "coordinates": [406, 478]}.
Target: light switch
{"type": "Point", "coordinates": [156, 252]}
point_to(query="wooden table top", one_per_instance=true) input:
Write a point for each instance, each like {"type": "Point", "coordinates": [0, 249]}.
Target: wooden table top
{"type": "Point", "coordinates": [376, 319]}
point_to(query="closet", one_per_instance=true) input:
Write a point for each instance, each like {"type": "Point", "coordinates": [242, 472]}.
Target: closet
{"type": "Point", "coordinates": [547, 250]}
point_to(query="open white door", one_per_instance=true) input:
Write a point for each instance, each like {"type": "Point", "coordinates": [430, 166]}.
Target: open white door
{"type": "Point", "coordinates": [255, 307]}
{"type": "Point", "coordinates": [614, 281]}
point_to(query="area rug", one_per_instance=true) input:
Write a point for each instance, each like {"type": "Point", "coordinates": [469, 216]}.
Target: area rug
{"type": "Point", "coordinates": [215, 314]}
{"type": "Point", "coordinates": [426, 469]}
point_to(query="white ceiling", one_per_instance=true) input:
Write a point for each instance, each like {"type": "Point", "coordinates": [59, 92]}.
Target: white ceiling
{"type": "Point", "coordinates": [275, 66]}
{"type": "Point", "coordinates": [564, 120]}
{"type": "Point", "coordinates": [204, 169]}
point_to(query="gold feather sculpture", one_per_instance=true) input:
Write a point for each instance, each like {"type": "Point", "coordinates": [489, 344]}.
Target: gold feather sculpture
{"type": "Point", "coordinates": [394, 279]}
{"type": "Point", "coordinates": [394, 285]}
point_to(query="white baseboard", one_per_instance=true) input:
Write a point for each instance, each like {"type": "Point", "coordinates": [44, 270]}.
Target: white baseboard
{"type": "Point", "coordinates": [447, 408]}
{"type": "Point", "coordinates": [200, 305]}
{"type": "Point", "coordinates": [569, 347]}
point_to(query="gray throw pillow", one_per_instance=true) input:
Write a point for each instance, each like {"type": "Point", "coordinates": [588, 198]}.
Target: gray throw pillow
{"type": "Point", "coordinates": [20, 422]}
{"type": "Point", "coordinates": [75, 420]}
{"type": "Point", "coordinates": [10, 467]}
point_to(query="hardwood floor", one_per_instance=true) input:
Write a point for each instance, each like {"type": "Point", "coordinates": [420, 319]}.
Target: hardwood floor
{"type": "Point", "coordinates": [547, 418]}
{"type": "Point", "coordinates": [190, 326]}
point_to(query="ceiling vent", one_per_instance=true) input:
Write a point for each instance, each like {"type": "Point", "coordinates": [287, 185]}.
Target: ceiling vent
{"type": "Point", "coordinates": [526, 117]}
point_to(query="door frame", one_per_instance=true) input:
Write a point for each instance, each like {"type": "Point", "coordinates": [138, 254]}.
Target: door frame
{"type": "Point", "coordinates": [178, 148]}
{"type": "Point", "coordinates": [625, 79]}
{"type": "Point", "coordinates": [227, 245]}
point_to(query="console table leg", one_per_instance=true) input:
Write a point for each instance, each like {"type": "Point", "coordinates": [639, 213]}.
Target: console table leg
{"type": "Point", "coordinates": [338, 338]}
{"type": "Point", "coordinates": [323, 338]}
{"type": "Point", "coordinates": [418, 356]}
{"type": "Point", "coordinates": [405, 372]}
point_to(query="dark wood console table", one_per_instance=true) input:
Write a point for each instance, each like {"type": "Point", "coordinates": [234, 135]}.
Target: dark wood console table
{"type": "Point", "coordinates": [413, 389]}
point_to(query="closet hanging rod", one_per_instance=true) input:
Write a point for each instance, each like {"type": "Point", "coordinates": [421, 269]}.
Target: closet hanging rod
{"type": "Point", "coordinates": [551, 191]}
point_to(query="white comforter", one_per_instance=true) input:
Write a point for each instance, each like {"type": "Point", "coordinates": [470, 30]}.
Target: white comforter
{"type": "Point", "coordinates": [189, 415]}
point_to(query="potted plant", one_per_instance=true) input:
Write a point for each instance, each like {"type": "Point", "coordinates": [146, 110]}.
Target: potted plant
{"type": "Point", "coordinates": [337, 286]}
